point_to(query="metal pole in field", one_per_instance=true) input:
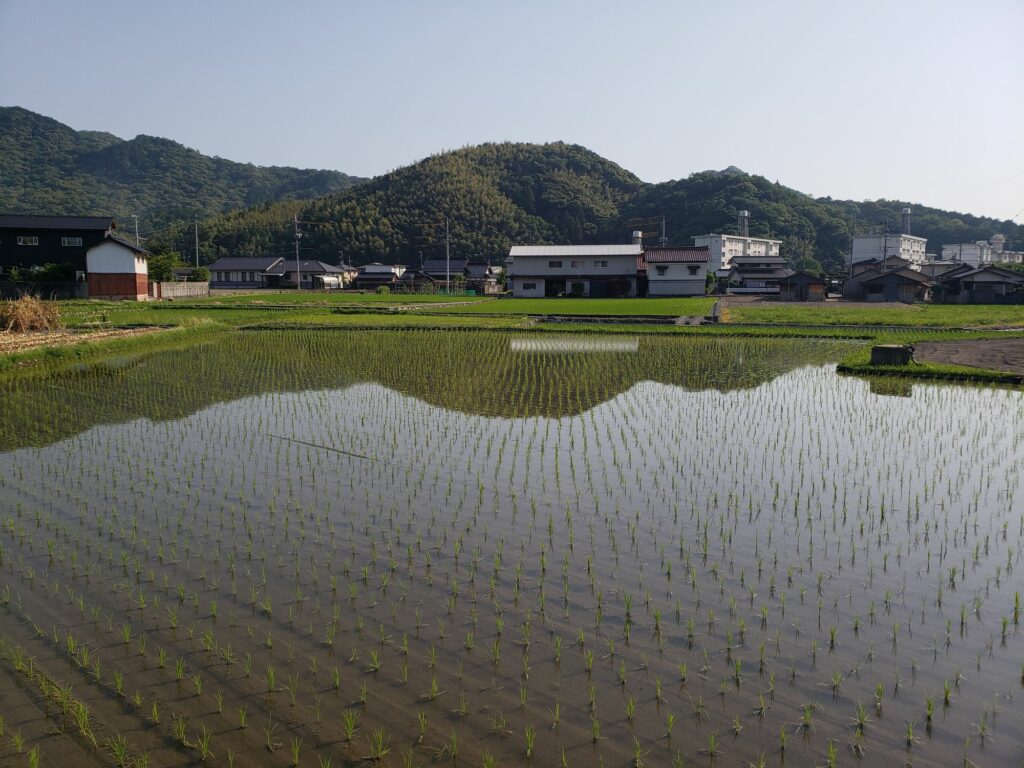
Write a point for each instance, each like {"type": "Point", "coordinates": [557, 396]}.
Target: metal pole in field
{"type": "Point", "coordinates": [197, 239]}
{"type": "Point", "coordinates": [447, 259]}
{"type": "Point", "coordinates": [136, 228]}
{"type": "Point", "coordinates": [298, 266]}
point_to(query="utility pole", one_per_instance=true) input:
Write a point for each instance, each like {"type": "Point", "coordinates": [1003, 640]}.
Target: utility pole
{"type": "Point", "coordinates": [197, 240]}
{"type": "Point", "coordinates": [664, 239]}
{"type": "Point", "coordinates": [136, 228]}
{"type": "Point", "coordinates": [447, 259]}
{"type": "Point", "coordinates": [298, 266]}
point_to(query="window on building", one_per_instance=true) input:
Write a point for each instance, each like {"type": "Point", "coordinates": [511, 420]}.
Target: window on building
{"type": "Point", "coordinates": [600, 262]}
{"type": "Point", "coordinates": [71, 241]}
{"type": "Point", "coordinates": [576, 263]}
{"type": "Point", "coordinates": [662, 270]}
{"type": "Point", "coordinates": [693, 270]}
{"type": "Point", "coordinates": [554, 265]}
{"type": "Point", "coordinates": [529, 286]}
{"type": "Point", "coordinates": [27, 240]}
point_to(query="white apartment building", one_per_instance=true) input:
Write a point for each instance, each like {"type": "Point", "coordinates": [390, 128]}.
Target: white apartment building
{"type": "Point", "coordinates": [723, 248]}
{"type": "Point", "coordinates": [876, 247]}
{"type": "Point", "coordinates": [982, 252]}
{"type": "Point", "coordinates": [976, 254]}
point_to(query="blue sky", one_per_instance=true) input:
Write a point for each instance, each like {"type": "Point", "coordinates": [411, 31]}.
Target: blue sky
{"type": "Point", "coordinates": [905, 99]}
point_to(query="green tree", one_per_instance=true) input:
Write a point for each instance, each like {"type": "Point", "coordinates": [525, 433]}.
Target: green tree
{"type": "Point", "coordinates": [162, 266]}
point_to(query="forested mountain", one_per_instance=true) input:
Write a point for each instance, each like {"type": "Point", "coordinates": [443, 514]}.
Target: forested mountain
{"type": "Point", "coordinates": [493, 195]}
{"type": "Point", "coordinates": [48, 168]}
{"type": "Point", "coordinates": [496, 195]}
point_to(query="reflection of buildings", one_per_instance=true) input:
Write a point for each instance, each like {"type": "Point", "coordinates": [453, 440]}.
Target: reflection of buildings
{"type": "Point", "coordinates": [577, 343]}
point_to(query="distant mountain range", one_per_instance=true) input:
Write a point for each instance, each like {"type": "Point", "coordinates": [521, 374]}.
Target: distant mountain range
{"type": "Point", "coordinates": [494, 195]}
{"type": "Point", "coordinates": [48, 168]}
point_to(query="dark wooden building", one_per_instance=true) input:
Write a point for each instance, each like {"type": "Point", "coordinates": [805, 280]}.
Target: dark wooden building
{"type": "Point", "coordinates": [801, 286]}
{"type": "Point", "coordinates": [903, 285]}
{"type": "Point", "coordinates": [984, 285]}
{"type": "Point", "coordinates": [33, 241]}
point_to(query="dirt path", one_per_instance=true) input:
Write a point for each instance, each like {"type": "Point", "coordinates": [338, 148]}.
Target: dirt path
{"type": "Point", "coordinates": [21, 342]}
{"type": "Point", "coordinates": [996, 354]}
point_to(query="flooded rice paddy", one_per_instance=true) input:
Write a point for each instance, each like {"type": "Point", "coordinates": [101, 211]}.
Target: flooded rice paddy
{"type": "Point", "coordinates": [322, 548]}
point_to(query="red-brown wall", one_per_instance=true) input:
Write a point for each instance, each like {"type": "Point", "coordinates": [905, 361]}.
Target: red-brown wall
{"type": "Point", "coordinates": [117, 286]}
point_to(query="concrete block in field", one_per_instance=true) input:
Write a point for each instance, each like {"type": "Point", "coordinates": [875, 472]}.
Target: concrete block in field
{"type": "Point", "coordinates": [892, 354]}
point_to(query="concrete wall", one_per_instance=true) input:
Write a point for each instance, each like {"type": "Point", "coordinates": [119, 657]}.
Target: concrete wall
{"type": "Point", "coordinates": [178, 290]}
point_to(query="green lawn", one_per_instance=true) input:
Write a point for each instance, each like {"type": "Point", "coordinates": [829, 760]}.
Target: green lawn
{"type": "Point", "coordinates": [833, 313]}
{"type": "Point", "coordinates": [609, 307]}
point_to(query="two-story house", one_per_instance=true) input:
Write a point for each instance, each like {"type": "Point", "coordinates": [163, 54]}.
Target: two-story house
{"type": "Point", "coordinates": [536, 271]}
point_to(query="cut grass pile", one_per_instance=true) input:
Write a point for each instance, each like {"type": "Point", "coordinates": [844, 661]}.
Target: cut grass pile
{"type": "Point", "coordinates": [28, 313]}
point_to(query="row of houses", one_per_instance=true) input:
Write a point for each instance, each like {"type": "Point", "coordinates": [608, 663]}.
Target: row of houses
{"type": "Point", "coordinates": [884, 267]}
{"type": "Point", "coordinates": [244, 272]}
{"type": "Point", "coordinates": [895, 279]}
{"type": "Point", "coordinates": [634, 269]}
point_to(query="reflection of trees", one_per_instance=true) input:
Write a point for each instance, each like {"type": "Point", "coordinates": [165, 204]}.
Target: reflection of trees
{"type": "Point", "coordinates": [469, 372]}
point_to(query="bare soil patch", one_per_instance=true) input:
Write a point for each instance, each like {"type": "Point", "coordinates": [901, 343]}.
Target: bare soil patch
{"type": "Point", "coordinates": [22, 342]}
{"type": "Point", "coordinates": [995, 354]}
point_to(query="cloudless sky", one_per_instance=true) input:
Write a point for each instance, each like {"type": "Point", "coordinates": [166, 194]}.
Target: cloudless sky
{"type": "Point", "coordinates": [919, 100]}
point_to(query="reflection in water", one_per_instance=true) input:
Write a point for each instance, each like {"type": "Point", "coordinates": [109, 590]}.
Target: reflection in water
{"type": "Point", "coordinates": [803, 531]}
{"type": "Point", "coordinates": [466, 372]}
{"type": "Point", "coordinates": [891, 386]}
{"type": "Point", "coordinates": [573, 344]}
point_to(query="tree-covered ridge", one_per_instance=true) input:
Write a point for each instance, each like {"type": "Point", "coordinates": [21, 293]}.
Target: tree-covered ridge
{"type": "Point", "coordinates": [47, 167]}
{"type": "Point", "coordinates": [497, 195]}
{"type": "Point", "coordinates": [494, 195]}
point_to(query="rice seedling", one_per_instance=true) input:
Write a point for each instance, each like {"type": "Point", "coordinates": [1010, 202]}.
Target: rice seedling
{"type": "Point", "coordinates": [349, 724]}
{"type": "Point", "coordinates": [335, 509]}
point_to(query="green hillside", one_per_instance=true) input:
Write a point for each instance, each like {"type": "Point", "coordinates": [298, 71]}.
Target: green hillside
{"type": "Point", "coordinates": [497, 195]}
{"type": "Point", "coordinates": [494, 195]}
{"type": "Point", "coordinates": [48, 168]}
